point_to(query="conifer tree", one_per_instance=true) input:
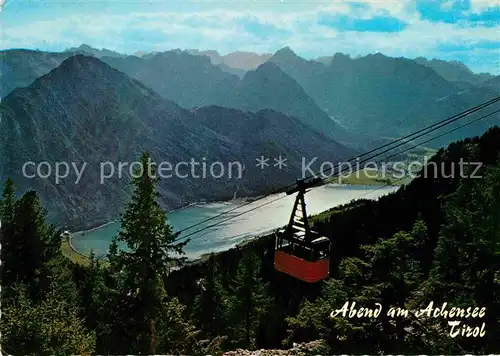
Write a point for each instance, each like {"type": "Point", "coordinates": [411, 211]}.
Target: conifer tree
{"type": "Point", "coordinates": [176, 334]}
{"type": "Point", "coordinates": [210, 306]}
{"type": "Point", "coordinates": [249, 302]}
{"type": "Point", "coordinates": [30, 234]}
{"type": "Point", "coordinates": [28, 243]}
{"type": "Point", "coordinates": [387, 275]}
{"type": "Point", "coordinates": [50, 327]}
{"type": "Point", "coordinates": [150, 255]}
{"type": "Point", "coordinates": [7, 213]}
{"type": "Point", "coordinates": [467, 257]}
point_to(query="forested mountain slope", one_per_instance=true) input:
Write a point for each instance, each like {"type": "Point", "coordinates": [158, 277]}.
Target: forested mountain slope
{"type": "Point", "coordinates": [437, 239]}
{"type": "Point", "coordinates": [92, 118]}
{"type": "Point", "coordinates": [430, 241]}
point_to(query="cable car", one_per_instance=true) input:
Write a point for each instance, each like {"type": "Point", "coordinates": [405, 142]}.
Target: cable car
{"type": "Point", "coordinates": [301, 252]}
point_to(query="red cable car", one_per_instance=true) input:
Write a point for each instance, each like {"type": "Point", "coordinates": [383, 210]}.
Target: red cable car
{"type": "Point", "coordinates": [301, 252]}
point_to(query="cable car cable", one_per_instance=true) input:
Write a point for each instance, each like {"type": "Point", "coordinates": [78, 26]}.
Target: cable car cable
{"type": "Point", "coordinates": [445, 122]}
{"type": "Point", "coordinates": [406, 142]}
{"type": "Point", "coordinates": [415, 146]}
{"type": "Point", "coordinates": [440, 124]}
{"type": "Point", "coordinates": [281, 197]}
{"type": "Point", "coordinates": [454, 117]}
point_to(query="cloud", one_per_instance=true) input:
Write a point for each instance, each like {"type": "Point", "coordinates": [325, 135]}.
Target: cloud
{"type": "Point", "coordinates": [263, 30]}
{"type": "Point", "coordinates": [488, 18]}
{"type": "Point", "coordinates": [143, 36]}
{"type": "Point", "coordinates": [359, 6]}
{"type": "Point", "coordinates": [482, 5]}
{"type": "Point", "coordinates": [461, 12]}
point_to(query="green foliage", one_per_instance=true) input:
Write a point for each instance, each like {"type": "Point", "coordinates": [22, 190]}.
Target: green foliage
{"type": "Point", "coordinates": [40, 310]}
{"type": "Point", "coordinates": [211, 306]}
{"type": "Point", "coordinates": [387, 274]}
{"type": "Point", "coordinates": [146, 232]}
{"type": "Point", "coordinates": [465, 269]}
{"type": "Point", "coordinates": [175, 333]}
{"type": "Point", "coordinates": [393, 272]}
{"type": "Point", "coordinates": [445, 247]}
{"type": "Point", "coordinates": [7, 218]}
{"type": "Point", "coordinates": [142, 267]}
{"type": "Point", "coordinates": [249, 301]}
{"type": "Point", "coordinates": [51, 327]}
{"type": "Point", "coordinates": [7, 203]}
{"type": "Point", "coordinates": [28, 244]}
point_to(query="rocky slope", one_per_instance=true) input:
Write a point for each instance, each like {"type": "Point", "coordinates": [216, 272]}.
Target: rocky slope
{"type": "Point", "coordinates": [382, 96]}
{"type": "Point", "coordinates": [20, 68]}
{"type": "Point", "coordinates": [85, 112]}
{"type": "Point", "coordinates": [352, 100]}
{"type": "Point", "coordinates": [454, 71]}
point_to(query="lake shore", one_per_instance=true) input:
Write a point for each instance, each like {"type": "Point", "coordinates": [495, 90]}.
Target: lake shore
{"type": "Point", "coordinates": [256, 224]}
{"type": "Point", "coordinates": [200, 203]}
{"type": "Point", "coordinates": [364, 182]}
{"type": "Point", "coordinates": [71, 251]}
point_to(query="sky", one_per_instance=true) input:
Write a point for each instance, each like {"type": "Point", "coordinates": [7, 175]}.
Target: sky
{"type": "Point", "coordinates": [463, 30]}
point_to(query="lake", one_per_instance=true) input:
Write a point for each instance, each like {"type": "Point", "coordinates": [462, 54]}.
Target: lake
{"type": "Point", "coordinates": [274, 214]}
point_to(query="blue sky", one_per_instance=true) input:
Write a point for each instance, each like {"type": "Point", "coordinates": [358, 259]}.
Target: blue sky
{"type": "Point", "coordinates": [465, 30]}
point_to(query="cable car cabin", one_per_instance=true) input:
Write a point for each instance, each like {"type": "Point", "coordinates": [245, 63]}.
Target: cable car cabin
{"type": "Point", "coordinates": [301, 252]}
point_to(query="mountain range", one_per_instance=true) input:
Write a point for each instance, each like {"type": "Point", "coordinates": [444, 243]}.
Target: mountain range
{"type": "Point", "coordinates": [193, 81]}
{"type": "Point", "coordinates": [354, 100]}
{"type": "Point", "coordinates": [237, 62]}
{"type": "Point", "coordinates": [383, 96]}
{"type": "Point", "coordinates": [93, 106]}
{"type": "Point", "coordinates": [455, 71]}
{"type": "Point", "coordinates": [85, 111]}
{"type": "Point", "coordinates": [19, 67]}
{"type": "Point", "coordinates": [90, 51]}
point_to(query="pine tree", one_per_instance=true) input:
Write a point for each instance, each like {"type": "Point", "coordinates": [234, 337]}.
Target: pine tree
{"type": "Point", "coordinates": [28, 243]}
{"type": "Point", "coordinates": [210, 306]}
{"type": "Point", "coordinates": [175, 334]}
{"type": "Point", "coordinates": [150, 243]}
{"type": "Point", "coordinates": [8, 202]}
{"type": "Point", "coordinates": [30, 233]}
{"type": "Point", "coordinates": [50, 327]}
{"type": "Point", "coordinates": [387, 274]}
{"type": "Point", "coordinates": [465, 271]}
{"type": "Point", "coordinates": [249, 302]}
{"type": "Point", "coordinates": [7, 213]}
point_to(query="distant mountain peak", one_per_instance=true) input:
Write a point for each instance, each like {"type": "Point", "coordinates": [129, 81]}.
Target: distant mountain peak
{"type": "Point", "coordinates": [436, 61]}
{"type": "Point", "coordinates": [285, 49]}
{"type": "Point", "coordinates": [82, 47]}
{"type": "Point", "coordinates": [285, 52]}
{"type": "Point", "coordinates": [454, 70]}
{"type": "Point", "coordinates": [285, 56]}
{"type": "Point", "coordinates": [378, 55]}
{"type": "Point", "coordinates": [81, 67]}
{"type": "Point", "coordinates": [340, 55]}
{"type": "Point", "coordinates": [85, 48]}
{"type": "Point", "coordinates": [268, 66]}
{"type": "Point", "coordinates": [268, 70]}
{"type": "Point", "coordinates": [82, 60]}
{"type": "Point", "coordinates": [339, 59]}
{"type": "Point", "coordinates": [209, 52]}
{"type": "Point", "coordinates": [182, 55]}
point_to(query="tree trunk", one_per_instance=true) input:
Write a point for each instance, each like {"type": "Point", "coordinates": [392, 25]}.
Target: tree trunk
{"type": "Point", "coordinates": [153, 337]}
